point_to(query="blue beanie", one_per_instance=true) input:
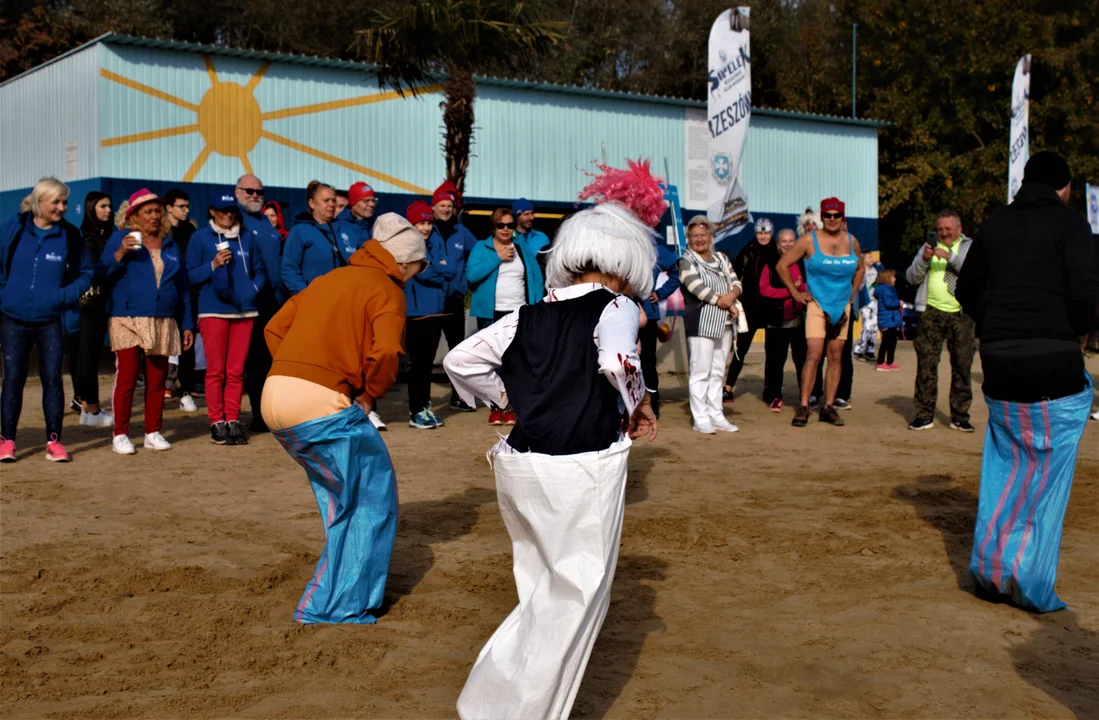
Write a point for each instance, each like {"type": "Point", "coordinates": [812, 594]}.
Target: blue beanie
{"type": "Point", "coordinates": [522, 205]}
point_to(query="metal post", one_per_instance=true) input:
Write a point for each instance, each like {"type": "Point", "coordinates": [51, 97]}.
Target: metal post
{"type": "Point", "coordinates": [854, 45]}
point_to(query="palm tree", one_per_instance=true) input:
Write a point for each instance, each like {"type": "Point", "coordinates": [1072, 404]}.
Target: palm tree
{"type": "Point", "coordinates": [426, 39]}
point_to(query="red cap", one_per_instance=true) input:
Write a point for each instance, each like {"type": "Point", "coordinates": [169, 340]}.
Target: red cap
{"type": "Point", "coordinates": [832, 205]}
{"type": "Point", "coordinates": [446, 191]}
{"type": "Point", "coordinates": [419, 211]}
{"type": "Point", "coordinates": [359, 191]}
{"type": "Point", "coordinates": [144, 196]}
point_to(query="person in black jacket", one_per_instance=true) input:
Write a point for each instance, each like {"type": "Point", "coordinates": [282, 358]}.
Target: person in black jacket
{"type": "Point", "coordinates": [1030, 283]}
{"type": "Point", "coordinates": [749, 265]}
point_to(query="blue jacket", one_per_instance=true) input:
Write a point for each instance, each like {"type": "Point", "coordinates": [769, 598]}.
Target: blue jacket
{"type": "Point", "coordinates": [312, 250]}
{"type": "Point", "coordinates": [131, 284]}
{"type": "Point", "coordinates": [232, 288]}
{"type": "Point", "coordinates": [359, 230]}
{"type": "Point", "coordinates": [43, 273]}
{"type": "Point", "coordinates": [666, 261]}
{"type": "Point", "coordinates": [483, 267]}
{"type": "Point", "coordinates": [862, 299]}
{"type": "Point", "coordinates": [889, 307]}
{"type": "Point", "coordinates": [425, 293]}
{"type": "Point", "coordinates": [459, 243]}
{"type": "Point", "coordinates": [269, 245]}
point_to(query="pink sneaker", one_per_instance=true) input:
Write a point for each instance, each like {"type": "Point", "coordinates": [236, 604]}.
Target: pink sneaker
{"type": "Point", "coordinates": [7, 450]}
{"type": "Point", "coordinates": [56, 452]}
{"type": "Point", "coordinates": [894, 366]}
{"type": "Point", "coordinates": [883, 367]}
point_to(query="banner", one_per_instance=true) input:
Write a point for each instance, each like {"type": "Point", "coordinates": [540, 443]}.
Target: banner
{"type": "Point", "coordinates": [674, 234]}
{"type": "Point", "coordinates": [1020, 127]}
{"type": "Point", "coordinates": [1092, 196]}
{"type": "Point", "coordinates": [729, 109]}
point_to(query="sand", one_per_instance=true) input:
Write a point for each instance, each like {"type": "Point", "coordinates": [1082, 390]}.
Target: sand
{"type": "Point", "coordinates": [773, 573]}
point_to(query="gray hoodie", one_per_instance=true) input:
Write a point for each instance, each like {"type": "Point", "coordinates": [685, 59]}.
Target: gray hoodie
{"type": "Point", "coordinates": [917, 271]}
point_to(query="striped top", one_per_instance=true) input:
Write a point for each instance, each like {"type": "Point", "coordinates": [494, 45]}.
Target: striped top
{"type": "Point", "coordinates": [706, 280]}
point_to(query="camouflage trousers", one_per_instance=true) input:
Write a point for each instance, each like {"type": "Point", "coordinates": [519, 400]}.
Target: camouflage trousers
{"type": "Point", "coordinates": [958, 330]}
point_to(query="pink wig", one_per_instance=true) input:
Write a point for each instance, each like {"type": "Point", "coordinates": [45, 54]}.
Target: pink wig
{"type": "Point", "coordinates": [635, 188]}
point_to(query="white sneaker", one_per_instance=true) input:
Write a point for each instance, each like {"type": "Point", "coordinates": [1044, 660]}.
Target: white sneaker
{"type": "Point", "coordinates": [187, 403]}
{"type": "Point", "coordinates": [376, 421]}
{"type": "Point", "coordinates": [122, 445]}
{"type": "Point", "coordinates": [156, 441]}
{"type": "Point", "coordinates": [724, 425]}
{"type": "Point", "coordinates": [99, 419]}
{"type": "Point", "coordinates": [1095, 415]}
{"type": "Point", "coordinates": [704, 428]}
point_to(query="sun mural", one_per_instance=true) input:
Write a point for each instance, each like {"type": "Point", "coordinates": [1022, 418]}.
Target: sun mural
{"type": "Point", "coordinates": [230, 120]}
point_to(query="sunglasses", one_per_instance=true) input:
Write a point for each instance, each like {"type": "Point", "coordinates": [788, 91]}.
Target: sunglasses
{"type": "Point", "coordinates": [832, 216]}
{"type": "Point", "coordinates": [501, 226]}
{"type": "Point", "coordinates": [251, 191]}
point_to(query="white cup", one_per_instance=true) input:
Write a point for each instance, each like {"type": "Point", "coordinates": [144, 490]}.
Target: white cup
{"type": "Point", "coordinates": [223, 245]}
{"type": "Point", "coordinates": [136, 235]}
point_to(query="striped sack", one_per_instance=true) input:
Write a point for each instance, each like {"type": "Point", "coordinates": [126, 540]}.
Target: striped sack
{"type": "Point", "coordinates": [1026, 475]}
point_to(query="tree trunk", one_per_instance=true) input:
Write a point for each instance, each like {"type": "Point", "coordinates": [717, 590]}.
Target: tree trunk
{"type": "Point", "coordinates": [458, 118]}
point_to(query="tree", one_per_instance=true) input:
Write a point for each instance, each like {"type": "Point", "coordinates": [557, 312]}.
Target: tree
{"type": "Point", "coordinates": [455, 38]}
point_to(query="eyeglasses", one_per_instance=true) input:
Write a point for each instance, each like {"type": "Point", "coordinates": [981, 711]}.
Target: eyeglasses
{"type": "Point", "coordinates": [251, 191]}
{"type": "Point", "coordinates": [182, 206]}
{"type": "Point", "coordinates": [832, 216]}
{"type": "Point", "coordinates": [509, 226]}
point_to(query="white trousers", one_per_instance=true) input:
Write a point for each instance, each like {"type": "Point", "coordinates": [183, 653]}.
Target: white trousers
{"type": "Point", "coordinates": [706, 358]}
{"type": "Point", "coordinates": [868, 339]}
{"type": "Point", "coordinates": [564, 515]}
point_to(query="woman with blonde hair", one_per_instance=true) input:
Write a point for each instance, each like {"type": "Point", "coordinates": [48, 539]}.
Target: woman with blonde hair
{"type": "Point", "coordinates": [149, 304]}
{"type": "Point", "coordinates": [43, 271]}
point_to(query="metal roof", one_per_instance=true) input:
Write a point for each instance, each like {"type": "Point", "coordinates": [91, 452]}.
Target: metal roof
{"type": "Point", "coordinates": [178, 45]}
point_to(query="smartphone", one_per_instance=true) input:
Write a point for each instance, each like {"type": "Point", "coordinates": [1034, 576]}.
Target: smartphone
{"type": "Point", "coordinates": [932, 238]}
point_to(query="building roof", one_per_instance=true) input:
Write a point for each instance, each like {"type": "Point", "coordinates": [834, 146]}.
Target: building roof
{"type": "Point", "coordinates": [181, 46]}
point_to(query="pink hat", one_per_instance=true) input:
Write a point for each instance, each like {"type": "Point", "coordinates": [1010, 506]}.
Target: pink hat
{"type": "Point", "coordinates": [359, 191]}
{"type": "Point", "coordinates": [144, 196]}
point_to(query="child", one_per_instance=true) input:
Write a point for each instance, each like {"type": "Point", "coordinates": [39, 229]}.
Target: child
{"type": "Point", "coordinates": [864, 347]}
{"type": "Point", "coordinates": [889, 319]}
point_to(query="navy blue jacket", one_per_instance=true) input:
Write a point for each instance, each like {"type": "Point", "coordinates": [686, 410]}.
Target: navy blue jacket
{"type": "Point", "coordinates": [666, 261]}
{"type": "Point", "coordinates": [425, 293]}
{"type": "Point", "coordinates": [232, 288]}
{"type": "Point", "coordinates": [131, 284]}
{"type": "Point", "coordinates": [359, 230]}
{"type": "Point", "coordinates": [42, 272]}
{"type": "Point", "coordinates": [889, 307]}
{"type": "Point", "coordinates": [269, 245]}
{"type": "Point", "coordinates": [311, 250]}
{"type": "Point", "coordinates": [459, 243]}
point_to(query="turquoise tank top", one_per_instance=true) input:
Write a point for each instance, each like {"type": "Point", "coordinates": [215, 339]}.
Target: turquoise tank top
{"type": "Point", "coordinates": [829, 278]}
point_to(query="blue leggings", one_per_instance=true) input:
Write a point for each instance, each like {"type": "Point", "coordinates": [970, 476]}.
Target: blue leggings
{"type": "Point", "coordinates": [17, 338]}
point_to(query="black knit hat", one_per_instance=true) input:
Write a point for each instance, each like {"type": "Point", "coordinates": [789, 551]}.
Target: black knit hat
{"type": "Point", "coordinates": [1047, 168]}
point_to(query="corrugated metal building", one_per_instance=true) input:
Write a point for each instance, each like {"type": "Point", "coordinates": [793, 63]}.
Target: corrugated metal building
{"type": "Point", "coordinates": [121, 112]}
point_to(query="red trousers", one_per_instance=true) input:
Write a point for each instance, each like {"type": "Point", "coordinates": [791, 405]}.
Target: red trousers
{"type": "Point", "coordinates": [125, 382]}
{"type": "Point", "coordinates": [226, 342]}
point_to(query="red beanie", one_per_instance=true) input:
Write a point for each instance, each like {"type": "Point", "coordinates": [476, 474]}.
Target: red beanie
{"type": "Point", "coordinates": [832, 205]}
{"type": "Point", "coordinates": [446, 191]}
{"type": "Point", "coordinates": [419, 211]}
{"type": "Point", "coordinates": [359, 191]}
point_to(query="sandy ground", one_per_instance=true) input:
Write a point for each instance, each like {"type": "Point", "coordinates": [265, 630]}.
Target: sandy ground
{"type": "Point", "coordinates": [772, 573]}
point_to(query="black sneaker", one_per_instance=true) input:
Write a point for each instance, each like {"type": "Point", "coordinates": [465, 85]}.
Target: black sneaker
{"type": "Point", "coordinates": [219, 434]}
{"type": "Point", "coordinates": [801, 416]}
{"type": "Point", "coordinates": [841, 404]}
{"type": "Point", "coordinates": [76, 404]}
{"type": "Point", "coordinates": [258, 426]}
{"type": "Point", "coordinates": [457, 403]}
{"type": "Point", "coordinates": [236, 434]}
{"type": "Point", "coordinates": [829, 415]}
{"type": "Point", "coordinates": [962, 425]}
{"type": "Point", "coordinates": [921, 424]}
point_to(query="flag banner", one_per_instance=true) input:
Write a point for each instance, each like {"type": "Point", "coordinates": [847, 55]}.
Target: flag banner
{"type": "Point", "coordinates": [1020, 127]}
{"type": "Point", "coordinates": [729, 109]}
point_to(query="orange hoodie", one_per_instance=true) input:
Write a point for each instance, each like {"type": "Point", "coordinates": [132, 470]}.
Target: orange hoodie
{"type": "Point", "coordinates": [345, 331]}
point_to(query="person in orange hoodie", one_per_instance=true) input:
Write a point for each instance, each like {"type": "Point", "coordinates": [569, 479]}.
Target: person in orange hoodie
{"type": "Point", "coordinates": [335, 348]}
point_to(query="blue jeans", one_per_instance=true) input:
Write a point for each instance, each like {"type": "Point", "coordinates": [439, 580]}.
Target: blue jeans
{"type": "Point", "coordinates": [17, 339]}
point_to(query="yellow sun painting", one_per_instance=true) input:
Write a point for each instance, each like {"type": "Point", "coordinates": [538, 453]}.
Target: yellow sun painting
{"type": "Point", "coordinates": [230, 120]}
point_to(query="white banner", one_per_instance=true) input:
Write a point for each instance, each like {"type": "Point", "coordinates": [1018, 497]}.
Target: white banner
{"type": "Point", "coordinates": [1092, 196]}
{"type": "Point", "coordinates": [1020, 127]}
{"type": "Point", "coordinates": [729, 110]}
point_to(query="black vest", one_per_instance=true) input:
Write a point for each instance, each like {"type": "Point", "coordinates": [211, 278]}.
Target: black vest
{"type": "Point", "coordinates": [564, 405]}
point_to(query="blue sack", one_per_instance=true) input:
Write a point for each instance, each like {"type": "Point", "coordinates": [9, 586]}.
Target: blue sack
{"type": "Point", "coordinates": [1026, 475]}
{"type": "Point", "coordinates": [352, 478]}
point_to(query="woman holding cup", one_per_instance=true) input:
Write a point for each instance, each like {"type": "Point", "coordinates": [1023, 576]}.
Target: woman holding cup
{"type": "Point", "coordinates": [148, 304]}
{"type": "Point", "coordinates": [224, 264]}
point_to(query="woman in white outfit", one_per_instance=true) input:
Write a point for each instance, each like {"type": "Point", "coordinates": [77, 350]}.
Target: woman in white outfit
{"type": "Point", "coordinates": [710, 292]}
{"type": "Point", "coordinates": [569, 366]}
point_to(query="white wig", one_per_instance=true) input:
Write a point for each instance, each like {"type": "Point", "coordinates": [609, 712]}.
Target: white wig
{"type": "Point", "coordinates": [806, 216]}
{"type": "Point", "coordinates": [607, 239]}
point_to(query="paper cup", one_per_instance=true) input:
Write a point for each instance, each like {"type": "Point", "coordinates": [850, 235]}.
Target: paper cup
{"type": "Point", "coordinates": [137, 235]}
{"type": "Point", "coordinates": [223, 245]}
